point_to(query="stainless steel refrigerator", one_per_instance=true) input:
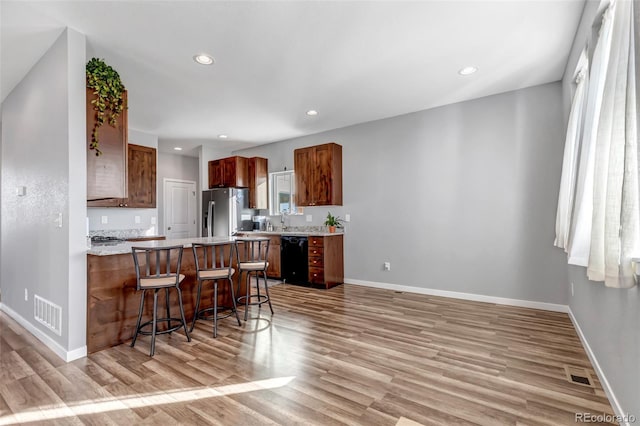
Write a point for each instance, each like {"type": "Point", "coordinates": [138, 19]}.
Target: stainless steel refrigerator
{"type": "Point", "coordinates": [225, 211]}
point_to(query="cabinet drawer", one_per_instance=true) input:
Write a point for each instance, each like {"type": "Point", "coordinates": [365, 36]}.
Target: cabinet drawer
{"type": "Point", "coordinates": [316, 275]}
{"type": "Point", "coordinates": [316, 262]}
{"type": "Point", "coordinates": [316, 242]}
{"type": "Point", "coordinates": [316, 251]}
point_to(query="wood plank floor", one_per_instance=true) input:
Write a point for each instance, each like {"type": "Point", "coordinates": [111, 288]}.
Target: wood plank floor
{"type": "Point", "coordinates": [348, 355]}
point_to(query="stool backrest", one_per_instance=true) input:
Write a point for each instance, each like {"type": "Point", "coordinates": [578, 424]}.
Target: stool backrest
{"type": "Point", "coordinates": [252, 249]}
{"type": "Point", "coordinates": [157, 262]}
{"type": "Point", "coordinates": [212, 256]}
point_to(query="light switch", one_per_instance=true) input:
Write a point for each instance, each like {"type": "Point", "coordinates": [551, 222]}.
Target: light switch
{"type": "Point", "coordinates": [136, 219]}
{"type": "Point", "coordinates": [104, 220]}
{"type": "Point", "coordinates": [347, 217]}
{"type": "Point", "coordinates": [21, 191]}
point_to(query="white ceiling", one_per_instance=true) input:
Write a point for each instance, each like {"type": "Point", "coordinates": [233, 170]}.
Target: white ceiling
{"type": "Point", "coordinates": [352, 61]}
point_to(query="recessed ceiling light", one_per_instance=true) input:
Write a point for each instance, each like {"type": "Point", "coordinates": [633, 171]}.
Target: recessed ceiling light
{"type": "Point", "coordinates": [177, 148]}
{"type": "Point", "coordinates": [203, 59]}
{"type": "Point", "coordinates": [223, 136]}
{"type": "Point", "coordinates": [467, 70]}
{"type": "Point", "coordinates": [312, 112]}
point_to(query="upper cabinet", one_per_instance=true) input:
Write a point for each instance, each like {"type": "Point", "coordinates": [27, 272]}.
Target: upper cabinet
{"type": "Point", "coordinates": [318, 172]}
{"type": "Point", "coordinates": [141, 180]}
{"type": "Point", "coordinates": [229, 172]}
{"type": "Point", "coordinates": [142, 177]}
{"type": "Point", "coordinates": [258, 187]}
{"type": "Point", "coordinates": [107, 173]}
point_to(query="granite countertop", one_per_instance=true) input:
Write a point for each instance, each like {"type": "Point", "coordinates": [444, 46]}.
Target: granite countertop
{"type": "Point", "coordinates": [297, 233]}
{"type": "Point", "coordinates": [124, 247]}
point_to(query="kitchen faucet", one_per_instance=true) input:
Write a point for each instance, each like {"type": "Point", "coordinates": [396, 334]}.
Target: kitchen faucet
{"type": "Point", "coordinates": [282, 221]}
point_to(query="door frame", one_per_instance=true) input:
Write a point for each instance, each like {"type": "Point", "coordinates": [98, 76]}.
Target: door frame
{"type": "Point", "coordinates": [164, 202]}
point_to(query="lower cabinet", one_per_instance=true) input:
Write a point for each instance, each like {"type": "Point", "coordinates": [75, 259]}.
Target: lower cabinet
{"type": "Point", "coordinates": [273, 258]}
{"type": "Point", "coordinates": [326, 260]}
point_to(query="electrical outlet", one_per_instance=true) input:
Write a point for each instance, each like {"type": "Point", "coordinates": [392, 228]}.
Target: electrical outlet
{"type": "Point", "coordinates": [153, 220]}
{"type": "Point", "coordinates": [572, 289]}
{"type": "Point", "coordinates": [309, 218]}
{"type": "Point", "coordinates": [387, 266]}
{"type": "Point", "coordinates": [104, 220]}
{"type": "Point", "coordinates": [136, 219]}
{"type": "Point", "coordinates": [347, 217]}
{"type": "Point", "coordinates": [26, 295]}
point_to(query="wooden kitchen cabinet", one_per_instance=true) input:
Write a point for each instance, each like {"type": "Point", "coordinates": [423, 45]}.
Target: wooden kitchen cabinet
{"type": "Point", "coordinates": [230, 172]}
{"type": "Point", "coordinates": [107, 173]}
{"type": "Point", "coordinates": [318, 172]}
{"type": "Point", "coordinates": [141, 180]}
{"type": "Point", "coordinates": [326, 260]}
{"type": "Point", "coordinates": [258, 183]}
{"type": "Point", "coordinates": [142, 177]}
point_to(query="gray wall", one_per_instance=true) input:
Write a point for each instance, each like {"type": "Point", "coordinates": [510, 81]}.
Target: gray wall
{"type": "Point", "coordinates": [43, 149]}
{"type": "Point", "coordinates": [175, 167]}
{"type": "Point", "coordinates": [607, 317]}
{"type": "Point", "coordinates": [459, 198]}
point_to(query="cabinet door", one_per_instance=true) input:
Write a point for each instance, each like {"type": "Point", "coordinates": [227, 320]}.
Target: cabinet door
{"type": "Point", "coordinates": [215, 174]}
{"type": "Point", "coordinates": [322, 178]}
{"type": "Point", "coordinates": [142, 177]}
{"type": "Point", "coordinates": [303, 163]}
{"type": "Point", "coordinates": [107, 173]}
{"type": "Point", "coordinates": [258, 190]}
{"type": "Point", "coordinates": [274, 258]}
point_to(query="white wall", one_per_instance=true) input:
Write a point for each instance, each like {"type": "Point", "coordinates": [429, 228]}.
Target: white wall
{"type": "Point", "coordinates": [460, 198]}
{"type": "Point", "coordinates": [44, 150]}
{"type": "Point", "coordinates": [173, 166]}
{"type": "Point", "coordinates": [607, 317]}
{"type": "Point", "coordinates": [124, 218]}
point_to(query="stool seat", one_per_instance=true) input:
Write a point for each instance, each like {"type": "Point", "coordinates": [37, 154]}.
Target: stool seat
{"type": "Point", "coordinates": [253, 266]}
{"type": "Point", "coordinates": [162, 281]}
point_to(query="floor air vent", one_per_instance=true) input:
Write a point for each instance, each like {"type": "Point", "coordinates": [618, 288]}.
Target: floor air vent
{"type": "Point", "coordinates": [578, 375]}
{"type": "Point", "coordinates": [48, 313]}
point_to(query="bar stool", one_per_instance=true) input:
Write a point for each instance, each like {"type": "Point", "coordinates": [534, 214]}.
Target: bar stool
{"type": "Point", "coordinates": [252, 258]}
{"type": "Point", "coordinates": [154, 271]}
{"type": "Point", "coordinates": [213, 265]}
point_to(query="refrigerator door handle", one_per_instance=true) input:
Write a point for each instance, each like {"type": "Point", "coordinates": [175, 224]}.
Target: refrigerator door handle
{"type": "Point", "coordinates": [210, 218]}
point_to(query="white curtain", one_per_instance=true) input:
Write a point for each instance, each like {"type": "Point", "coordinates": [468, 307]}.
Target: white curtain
{"type": "Point", "coordinates": [580, 235]}
{"type": "Point", "coordinates": [616, 216]}
{"type": "Point", "coordinates": [570, 159]}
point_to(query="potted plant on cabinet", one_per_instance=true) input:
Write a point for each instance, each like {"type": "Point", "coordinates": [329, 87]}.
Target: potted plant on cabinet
{"type": "Point", "coordinates": [333, 222]}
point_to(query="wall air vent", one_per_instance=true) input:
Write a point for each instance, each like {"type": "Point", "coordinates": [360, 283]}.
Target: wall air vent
{"type": "Point", "coordinates": [48, 313]}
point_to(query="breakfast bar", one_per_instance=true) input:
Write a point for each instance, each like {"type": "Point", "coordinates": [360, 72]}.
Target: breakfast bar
{"type": "Point", "coordinates": [112, 299]}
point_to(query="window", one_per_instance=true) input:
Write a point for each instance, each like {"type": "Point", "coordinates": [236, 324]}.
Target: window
{"type": "Point", "coordinates": [282, 192]}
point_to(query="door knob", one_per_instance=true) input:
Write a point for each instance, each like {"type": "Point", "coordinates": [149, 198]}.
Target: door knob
{"type": "Point", "coordinates": [169, 228]}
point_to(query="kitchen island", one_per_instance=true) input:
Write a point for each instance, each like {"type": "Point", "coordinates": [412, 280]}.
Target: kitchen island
{"type": "Point", "coordinates": [112, 299]}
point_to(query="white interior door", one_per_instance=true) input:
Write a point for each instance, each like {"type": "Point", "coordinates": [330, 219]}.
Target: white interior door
{"type": "Point", "coordinates": [180, 205]}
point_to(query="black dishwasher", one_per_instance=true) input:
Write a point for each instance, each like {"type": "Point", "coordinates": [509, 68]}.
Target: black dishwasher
{"type": "Point", "coordinates": [294, 259]}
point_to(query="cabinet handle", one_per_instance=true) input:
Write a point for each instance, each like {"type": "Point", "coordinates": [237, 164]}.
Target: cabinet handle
{"type": "Point", "coordinates": [315, 275]}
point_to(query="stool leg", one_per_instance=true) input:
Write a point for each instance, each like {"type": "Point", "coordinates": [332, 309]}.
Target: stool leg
{"type": "Point", "coordinates": [258, 289]}
{"type": "Point", "coordinates": [215, 308]}
{"type": "Point", "coordinates": [154, 322]}
{"type": "Point", "coordinates": [135, 335]}
{"type": "Point", "coordinates": [266, 289]}
{"type": "Point", "coordinates": [233, 299]}
{"type": "Point", "coordinates": [246, 299]}
{"type": "Point", "coordinates": [166, 297]}
{"type": "Point", "coordinates": [184, 321]}
{"type": "Point", "coordinates": [197, 311]}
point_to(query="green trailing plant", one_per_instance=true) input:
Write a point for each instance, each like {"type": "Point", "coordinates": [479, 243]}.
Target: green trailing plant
{"type": "Point", "coordinates": [333, 221]}
{"type": "Point", "coordinates": [109, 102]}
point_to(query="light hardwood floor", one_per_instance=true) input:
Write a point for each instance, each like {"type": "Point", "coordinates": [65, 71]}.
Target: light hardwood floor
{"type": "Point", "coordinates": [348, 355]}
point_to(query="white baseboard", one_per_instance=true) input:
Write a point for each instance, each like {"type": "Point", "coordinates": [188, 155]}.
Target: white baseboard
{"type": "Point", "coordinates": [615, 404]}
{"type": "Point", "coordinates": [465, 296]}
{"type": "Point", "coordinates": [68, 356]}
